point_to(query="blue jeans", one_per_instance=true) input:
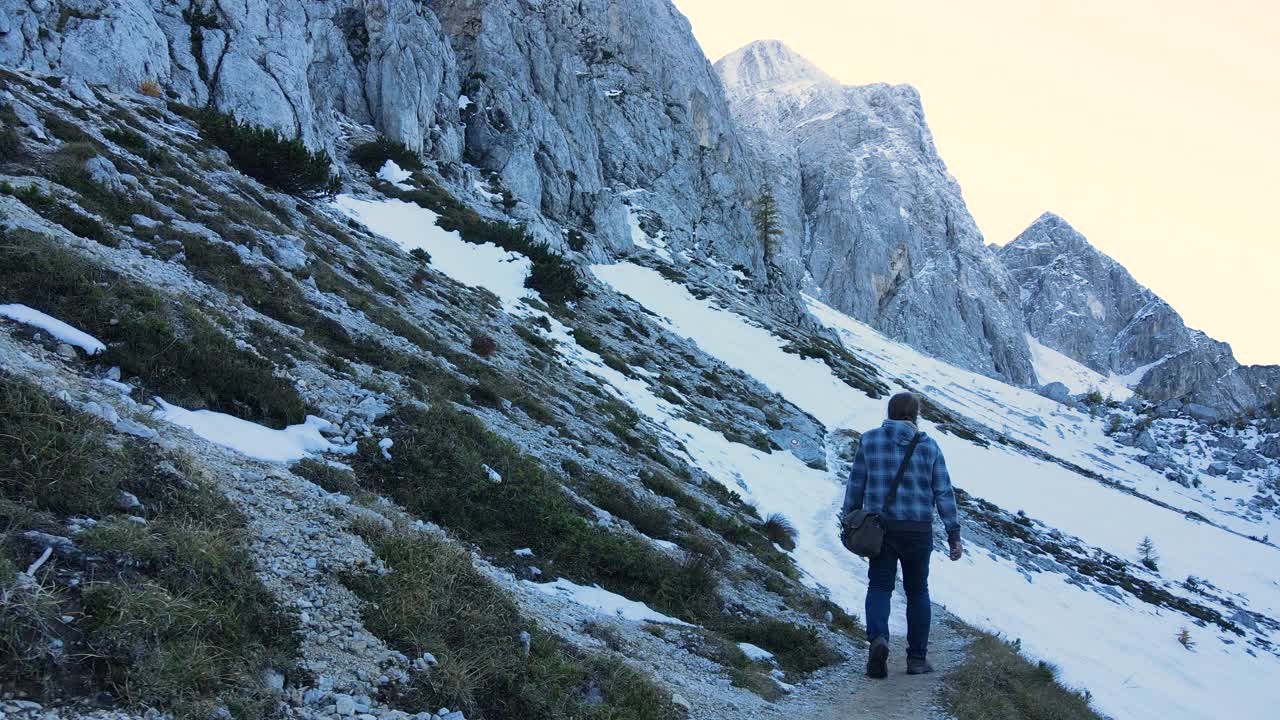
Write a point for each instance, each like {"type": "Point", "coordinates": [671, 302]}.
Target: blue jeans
{"type": "Point", "coordinates": [912, 549]}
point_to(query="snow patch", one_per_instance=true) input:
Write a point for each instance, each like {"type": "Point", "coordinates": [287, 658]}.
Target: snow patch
{"type": "Point", "coordinates": [394, 174]}
{"type": "Point", "coordinates": [1052, 366]}
{"type": "Point", "coordinates": [606, 602]}
{"type": "Point", "coordinates": [55, 327]}
{"type": "Point", "coordinates": [410, 226]}
{"type": "Point", "coordinates": [256, 441]}
{"type": "Point", "coordinates": [754, 652]}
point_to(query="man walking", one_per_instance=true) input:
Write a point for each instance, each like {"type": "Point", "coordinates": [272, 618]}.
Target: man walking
{"type": "Point", "coordinates": [908, 522]}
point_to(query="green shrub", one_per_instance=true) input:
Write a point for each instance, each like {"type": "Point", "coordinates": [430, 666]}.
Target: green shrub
{"type": "Point", "coordinates": [994, 682]}
{"type": "Point", "coordinates": [780, 531]}
{"type": "Point", "coordinates": [434, 600]}
{"type": "Point", "coordinates": [126, 138]}
{"type": "Point", "coordinates": [265, 155]}
{"type": "Point", "coordinates": [374, 154]}
{"type": "Point", "coordinates": [484, 345]}
{"type": "Point", "coordinates": [796, 648]}
{"type": "Point", "coordinates": [332, 479]}
{"type": "Point", "coordinates": [647, 517]}
{"type": "Point", "coordinates": [10, 144]}
{"type": "Point", "coordinates": [192, 628]}
{"type": "Point", "coordinates": [172, 348]}
{"type": "Point", "coordinates": [438, 472]}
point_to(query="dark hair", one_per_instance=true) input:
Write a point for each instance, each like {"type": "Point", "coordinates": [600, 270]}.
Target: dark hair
{"type": "Point", "coordinates": [904, 406]}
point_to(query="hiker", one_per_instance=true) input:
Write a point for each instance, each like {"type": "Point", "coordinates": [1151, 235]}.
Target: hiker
{"type": "Point", "coordinates": [896, 448]}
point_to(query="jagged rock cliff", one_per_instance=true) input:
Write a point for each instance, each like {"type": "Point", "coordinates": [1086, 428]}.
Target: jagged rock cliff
{"type": "Point", "coordinates": [875, 225]}
{"type": "Point", "coordinates": [293, 65]}
{"type": "Point", "coordinates": [1087, 306]}
{"type": "Point", "coordinates": [578, 112]}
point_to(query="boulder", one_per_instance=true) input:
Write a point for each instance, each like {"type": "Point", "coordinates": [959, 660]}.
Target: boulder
{"type": "Point", "coordinates": [1055, 391]}
{"type": "Point", "coordinates": [1249, 460]}
{"type": "Point", "coordinates": [1270, 448]}
{"type": "Point", "coordinates": [1217, 469]}
{"type": "Point", "coordinates": [1203, 413]}
{"type": "Point", "coordinates": [1146, 441]}
{"type": "Point", "coordinates": [804, 447]}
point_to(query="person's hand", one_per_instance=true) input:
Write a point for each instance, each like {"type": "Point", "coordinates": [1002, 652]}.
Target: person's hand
{"type": "Point", "coordinates": [957, 550]}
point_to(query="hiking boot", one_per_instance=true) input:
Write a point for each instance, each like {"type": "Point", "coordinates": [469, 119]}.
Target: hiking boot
{"type": "Point", "coordinates": [918, 666]}
{"type": "Point", "coordinates": [878, 659]}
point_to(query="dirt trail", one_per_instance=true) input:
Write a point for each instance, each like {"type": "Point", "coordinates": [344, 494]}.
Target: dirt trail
{"type": "Point", "coordinates": [850, 695]}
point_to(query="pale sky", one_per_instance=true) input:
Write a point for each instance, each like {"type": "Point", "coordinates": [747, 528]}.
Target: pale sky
{"type": "Point", "coordinates": [1153, 127]}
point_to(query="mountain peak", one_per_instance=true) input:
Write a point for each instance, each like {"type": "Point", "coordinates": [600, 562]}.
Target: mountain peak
{"type": "Point", "coordinates": [768, 63]}
{"type": "Point", "coordinates": [1049, 230]}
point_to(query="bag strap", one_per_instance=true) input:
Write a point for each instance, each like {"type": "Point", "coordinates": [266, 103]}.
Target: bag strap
{"type": "Point", "coordinates": [902, 469]}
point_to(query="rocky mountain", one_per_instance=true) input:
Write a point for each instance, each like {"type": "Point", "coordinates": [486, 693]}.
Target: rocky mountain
{"type": "Point", "coordinates": [600, 127]}
{"type": "Point", "coordinates": [1088, 307]}
{"type": "Point", "coordinates": [874, 224]}
{"type": "Point", "coordinates": [480, 402]}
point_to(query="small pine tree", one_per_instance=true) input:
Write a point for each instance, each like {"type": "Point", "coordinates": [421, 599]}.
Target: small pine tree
{"type": "Point", "coordinates": [765, 218]}
{"type": "Point", "coordinates": [1184, 639]}
{"type": "Point", "coordinates": [1147, 554]}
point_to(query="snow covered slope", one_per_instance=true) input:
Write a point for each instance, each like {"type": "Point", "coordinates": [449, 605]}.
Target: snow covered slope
{"type": "Point", "coordinates": [1059, 472]}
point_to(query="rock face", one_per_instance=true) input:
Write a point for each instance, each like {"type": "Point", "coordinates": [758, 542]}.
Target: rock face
{"type": "Point", "coordinates": [606, 116]}
{"type": "Point", "coordinates": [874, 224]}
{"type": "Point", "coordinates": [1086, 306]}
{"type": "Point", "coordinates": [600, 116]}
{"type": "Point", "coordinates": [293, 65]}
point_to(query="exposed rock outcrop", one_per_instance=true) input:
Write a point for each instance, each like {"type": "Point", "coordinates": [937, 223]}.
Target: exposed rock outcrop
{"type": "Point", "coordinates": [874, 224]}
{"type": "Point", "coordinates": [1088, 307]}
{"type": "Point", "coordinates": [582, 114]}
{"type": "Point", "coordinates": [294, 65]}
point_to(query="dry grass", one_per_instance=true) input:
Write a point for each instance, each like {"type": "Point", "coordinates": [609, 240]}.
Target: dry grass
{"type": "Point", "coordinates": [996, 683]}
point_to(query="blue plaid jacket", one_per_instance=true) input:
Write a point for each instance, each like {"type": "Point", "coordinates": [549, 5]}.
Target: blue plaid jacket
{"type": "Point", "coordinates": [925, 484]}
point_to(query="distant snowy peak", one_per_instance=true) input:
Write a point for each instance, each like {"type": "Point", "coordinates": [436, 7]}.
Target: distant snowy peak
{"type": "Point", "coordinates": [768, 64]}
{"type": "Point", "coordinates": [1081, 303]}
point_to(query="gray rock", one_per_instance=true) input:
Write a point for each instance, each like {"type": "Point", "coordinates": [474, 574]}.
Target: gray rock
{"type": "Point", "coordinates": [128, 501]}
{"type": "Point", "coordinates": [1217, 469]}
{"type": "Point", "coordinates": [1245, 620]}
{"type": "Point", "coordinates": [1157, 461]}
{"type": "Point", "coordinates": [1203, 413]}
{"type": "Point", "coordinates": [804, 447]}
{"type": "Point", "coordinates": [1249, 460]}
{"type": "Point", "coordinates": [292, 65]}
{"type": "Point", "coordinates": [1229, 442]}
{"type": "Point", "coordinates": [64, 547]}
{"type": "Point", "coordinates": [1146, 441]}
{"type": "Point", "coordinates": [143, 222]}
{"type": "Point", "coordinates": [1055, 391]}
{"type": "Point", "coordinates": [104, 173]}
{"type": "Point", "coordinates": [81, 91]}
{"type": "Point", "coordinates": [1270, 448]}
{"type": "Point", "coordinates": [1085, 305]}
{"type": "Point", "coordinates": [872, 220]}
{"type": "Point", "coordinates": [344, 705]}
